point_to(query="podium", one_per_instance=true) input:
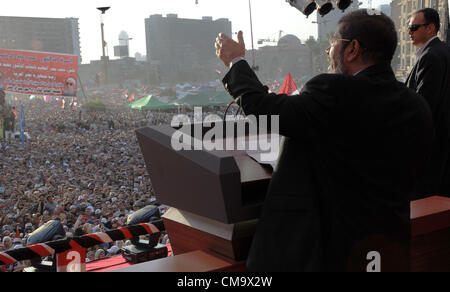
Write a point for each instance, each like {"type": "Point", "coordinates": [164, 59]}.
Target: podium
{"type": "Point", "coordinates": [216, 199]}
{"type": "Point", "coordinates": [430, 231]}
{"type": "Point", "coordinates": [216, 196]}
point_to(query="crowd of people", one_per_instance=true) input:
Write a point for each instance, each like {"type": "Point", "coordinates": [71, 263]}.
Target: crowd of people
{"type": "Point", "coordinates": [84, 168]}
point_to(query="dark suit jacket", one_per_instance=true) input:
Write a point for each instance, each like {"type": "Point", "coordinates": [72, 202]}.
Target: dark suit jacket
{"type": "Point", "coordinates": [347, 168]}
{"type": "Point", "coordinates": [430, 77]}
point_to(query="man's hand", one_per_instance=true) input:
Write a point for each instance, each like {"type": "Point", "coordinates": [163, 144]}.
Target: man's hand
{"type": "Point", "coordinates": [227, 49]}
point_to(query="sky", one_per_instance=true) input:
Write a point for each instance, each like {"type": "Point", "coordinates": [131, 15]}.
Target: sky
{"type": "Point", "coordinates": [269, 17]}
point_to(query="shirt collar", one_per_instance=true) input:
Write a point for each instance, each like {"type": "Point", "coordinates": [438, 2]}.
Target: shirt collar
{"type": "Point", "coordinates": [420, 51]}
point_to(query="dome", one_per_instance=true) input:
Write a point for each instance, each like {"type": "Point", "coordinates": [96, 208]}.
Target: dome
{"type": "Point", "coordinates": [289, 40]}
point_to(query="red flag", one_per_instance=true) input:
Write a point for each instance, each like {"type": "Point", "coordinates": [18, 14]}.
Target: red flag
{"type": "Point", "coordinates": [15, 111]}
{"type": "Point", "coordinates": [131, 98]}
{"type": "Point", "coordinates": [17, 232]}
{"type": "Point", "coordinates": [289, 87]}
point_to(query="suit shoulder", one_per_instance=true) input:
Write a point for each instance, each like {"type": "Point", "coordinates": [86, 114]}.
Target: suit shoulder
{"type": "Point", "coordinates": [327, 82]}
{"type": "Point", "coordinates": [439, 50]}
{"type": "Point", "coordinates": [326, 77]}
{"type": "Point", "coordinates": [432, 57]}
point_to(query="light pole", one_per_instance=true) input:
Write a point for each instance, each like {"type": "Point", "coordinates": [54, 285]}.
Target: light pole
{"type": "Point", "coordinates": [254, 67]}
{"type": "Point", "coordinates": [104, 57]}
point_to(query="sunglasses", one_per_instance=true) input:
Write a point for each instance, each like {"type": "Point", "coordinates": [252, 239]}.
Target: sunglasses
{"type": "Point", "coordinates": [415, 27]}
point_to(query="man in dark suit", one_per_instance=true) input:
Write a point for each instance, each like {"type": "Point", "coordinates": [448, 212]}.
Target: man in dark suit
{"type": "Point", "coordinates": [430, 77]}
{"type": "Point", "coordinates": [355, 143]}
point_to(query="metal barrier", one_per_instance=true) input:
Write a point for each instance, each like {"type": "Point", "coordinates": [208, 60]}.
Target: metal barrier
{"type": "Point", "coordinates": [85, 241]}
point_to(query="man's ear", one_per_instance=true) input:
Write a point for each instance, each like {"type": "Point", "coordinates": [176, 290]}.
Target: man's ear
{"type": "Point", "coordinates": [431, 29]}
{"type": "Point", "coordinates": [353, 51]}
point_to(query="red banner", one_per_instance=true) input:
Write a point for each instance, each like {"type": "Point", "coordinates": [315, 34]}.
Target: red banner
{"type": "Point", "coordinates": [38, 73]}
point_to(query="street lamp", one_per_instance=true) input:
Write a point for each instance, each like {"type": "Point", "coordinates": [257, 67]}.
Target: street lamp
{"type": "Point", "coordinates": [104, 57]}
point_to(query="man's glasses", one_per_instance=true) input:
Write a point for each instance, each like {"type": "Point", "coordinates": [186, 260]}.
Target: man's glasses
{"type": "Point", "coordinates": [415, 27]}
{"type": "Point", "coordinates": [333, 40]}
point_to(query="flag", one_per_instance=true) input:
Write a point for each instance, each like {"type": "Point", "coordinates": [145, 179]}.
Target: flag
{"type": "Point", "coordinates": [289, 87]}
{"type": "Point", "coordinates": [63, 103]}
{"type": "Point", "coordinates": [17, 232]}
{"type": "Point", "coordinates": [131, 98]}
{"type": "Point", "coordinates": [22, 126]}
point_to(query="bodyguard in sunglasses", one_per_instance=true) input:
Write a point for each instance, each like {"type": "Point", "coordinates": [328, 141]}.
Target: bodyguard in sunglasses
{"type": "Point", "coordinates": [430, 77]}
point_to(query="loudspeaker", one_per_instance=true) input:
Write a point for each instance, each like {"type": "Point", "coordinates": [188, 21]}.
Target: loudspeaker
{"type": "Point", "coordinates": [305, 6]}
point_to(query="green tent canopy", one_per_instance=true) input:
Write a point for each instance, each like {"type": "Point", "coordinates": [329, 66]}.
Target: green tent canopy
{"type": "Point", "coordinates": [150, 102]}
{"type": "Point", "coordinates": [205, 99]}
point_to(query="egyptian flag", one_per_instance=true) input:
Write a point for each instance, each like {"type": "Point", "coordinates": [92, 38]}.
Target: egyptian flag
{"type": "Point", "coordinates": [289, 87]}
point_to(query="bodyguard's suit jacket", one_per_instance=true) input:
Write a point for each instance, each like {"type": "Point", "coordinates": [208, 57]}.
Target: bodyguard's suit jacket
{"type": "Point", "coordinates": [347, 168]}
{"type": "Point", "coordinates": [430, 77]}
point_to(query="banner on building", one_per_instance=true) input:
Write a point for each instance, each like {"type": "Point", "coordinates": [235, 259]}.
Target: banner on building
{"type": "Point", "coordinates": [38, 73]}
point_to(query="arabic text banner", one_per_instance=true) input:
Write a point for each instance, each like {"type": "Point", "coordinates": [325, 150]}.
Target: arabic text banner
{"type": "Point", "coordinates": [38, 73]}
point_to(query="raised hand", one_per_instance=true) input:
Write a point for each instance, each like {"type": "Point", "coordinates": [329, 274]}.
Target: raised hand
{"type": "Point", "coordinates": [227, 49]}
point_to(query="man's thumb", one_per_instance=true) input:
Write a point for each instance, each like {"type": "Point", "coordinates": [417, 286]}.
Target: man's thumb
{"type": "Point", "coordinates": [240, 37]}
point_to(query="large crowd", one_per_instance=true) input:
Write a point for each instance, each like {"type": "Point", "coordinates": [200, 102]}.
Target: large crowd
{"type": "Point", "coordinates": [84, 168]}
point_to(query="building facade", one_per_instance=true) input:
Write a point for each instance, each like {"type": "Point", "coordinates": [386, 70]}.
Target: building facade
{"type": "Point", "coordinates": [402, 11]}
{"type": "Point", "coordinates": [183, 49]}
{"type": "Point", "coordinates": [385, 8]}
{"type": "Point", "coordinates": [290, 55]}
{"type": "Point", "coordinates": [55, 35]}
